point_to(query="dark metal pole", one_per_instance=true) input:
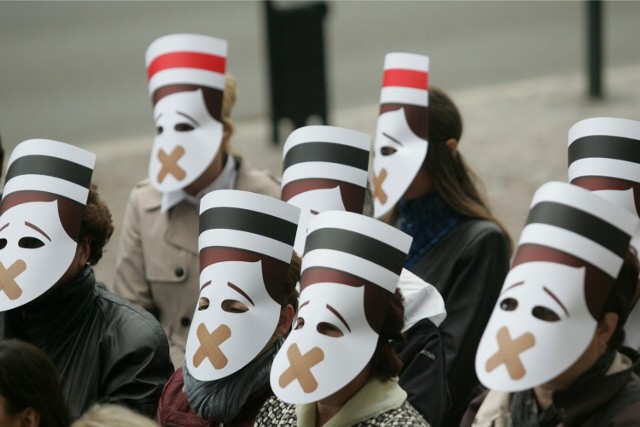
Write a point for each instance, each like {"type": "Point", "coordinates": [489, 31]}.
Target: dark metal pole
{"type": "Point", "coordinates": [594, 48]}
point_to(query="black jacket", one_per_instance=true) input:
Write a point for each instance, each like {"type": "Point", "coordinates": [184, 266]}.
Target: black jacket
{"type": "Point", "coordinates": [105, 348]}
{"type": "Point", "coordinates": [423, 374]}
{"type": "Point", "coordinates": [468, 267]}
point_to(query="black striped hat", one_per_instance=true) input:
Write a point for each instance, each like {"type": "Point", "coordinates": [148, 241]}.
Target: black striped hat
{"type": "Point", "coordinates": [580, 223]}
{"type": "Point", "coordinates": [605, 147]}
{"type": "Point", "coordinates": [247, 221]}
{"type": "Point", "coordinates": [356, 245]}
{"type": "Point", "coordinates": [48, 166]}
{"type": "Point", "coordinates": [313, 155]}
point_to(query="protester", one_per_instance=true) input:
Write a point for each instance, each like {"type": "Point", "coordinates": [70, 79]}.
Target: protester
{"type": "Point", "coordinates": [53, 229]}
{"type": "Point", "coordinates": [247, 302]}
{"type": "Point", "coordinates": [602, 159]}
{"type": "Point", "coordinates": [30, 390]}
{"type": "Point", "coordinates": [423, 185]}
{"type": "Point", "coordinates": [551, 352]}
{"type": "Point", "coordinates": [326, 168]}
{"type": "Point", "coordinates": [337, 367]}
{"type": "Point", "coordinates": [110, 415]}
{"type": "Point", "coordinates": [157, 260]}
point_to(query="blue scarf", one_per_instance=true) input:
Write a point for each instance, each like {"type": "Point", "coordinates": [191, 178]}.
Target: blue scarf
{"type": "Point", "coordinates": [427, 219]}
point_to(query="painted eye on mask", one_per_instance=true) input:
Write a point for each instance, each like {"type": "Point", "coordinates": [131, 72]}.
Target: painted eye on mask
{"type": "Point", "coordinates": [544, 313]}
{"type": "Point", "coordinates": [158, 130]}
{"type": "Point", "coordinates": [329, 330]}
{"type": "Point", "coordinates": [234, 306]}
{"type": "Point", "coordinates": [299, 323]}
{"type": "Point", "coordinates": [203, 304]}
{"type": "Point", "coordinates": [183, 127]}
{"type": "Point", "coordinates": [387, 150]}
{"type": "Point", "coordinates": [30, 243]}
{"type": "Point", "coordinates": [3, 243]}
{"type": "Point", "coordinates": [508, 304]}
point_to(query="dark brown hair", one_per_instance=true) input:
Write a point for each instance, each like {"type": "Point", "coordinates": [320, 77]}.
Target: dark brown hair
{"type": "Point", "coordinates": [28, 379]}
{"type": "Point", "coordinates": [454, 181]}
{"type": "Point", "coordinates": [97, 225]}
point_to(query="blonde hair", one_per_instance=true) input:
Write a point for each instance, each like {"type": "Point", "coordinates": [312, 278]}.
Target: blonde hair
{"type": "Point", "coordinates": [108, 415]}
{"type": "Point", "coordinates": [228, 99]}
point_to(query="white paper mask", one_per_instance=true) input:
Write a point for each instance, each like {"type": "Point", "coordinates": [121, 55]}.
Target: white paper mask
{"type": "Point", "coordinates": [539, 328]}
{"type": "Point", "coordinates": [187, 140]}
{"type": "Point", "coordinates": [398, 155]}
{"type": "Point", "coordinates": [239, 319]}
{"type": "Point", "coordinates": [35, 252]}
{"type": "Point", "coordinates": [311, 365]}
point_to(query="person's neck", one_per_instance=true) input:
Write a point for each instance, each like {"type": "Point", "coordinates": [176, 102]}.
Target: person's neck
{"type": "Point", "coordinates": [544, 396]}
{"type": "Point", "coordinates": [328, 407]}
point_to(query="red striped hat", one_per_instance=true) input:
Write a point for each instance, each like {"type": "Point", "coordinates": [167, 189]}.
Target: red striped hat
{"type": "Point", "coordinates": [406, 79]}
{"type": "Point", "coordinates": [191, 59]}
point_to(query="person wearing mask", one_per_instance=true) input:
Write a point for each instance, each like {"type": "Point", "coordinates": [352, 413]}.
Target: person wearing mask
{"type": "Point", "coordinates": [157, 259]}
{"type": "Point", "coordinates": [53, 229]}
{"type": "Point", "coordinates": [247, 302]}
{"type": "Point", "coordinates": [30, 390]}
{"type": "Point", "coordinates": [422, 185]}
{"type": "Point", "coordinates": [337, 367]}
{"type": "Point", "coordinates": [326, 168]}
{"type": "Point", "coordinates": [551, 353]}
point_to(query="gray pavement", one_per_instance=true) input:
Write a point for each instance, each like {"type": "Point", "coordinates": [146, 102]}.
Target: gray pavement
{"type": "Point", "coordinates": [515, 139]}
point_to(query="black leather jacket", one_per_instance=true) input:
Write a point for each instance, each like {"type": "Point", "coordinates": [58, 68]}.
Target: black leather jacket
{"type": "Point", "coordinates": [105, 348]}
{"type": "Point", "coordinates": [468, 267]}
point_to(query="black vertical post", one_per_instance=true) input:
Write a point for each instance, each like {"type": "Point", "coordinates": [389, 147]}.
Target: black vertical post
{"type": "Point", "coordinates": [297, 72]}
{"type": "Point", "coordinates": [594, 48]}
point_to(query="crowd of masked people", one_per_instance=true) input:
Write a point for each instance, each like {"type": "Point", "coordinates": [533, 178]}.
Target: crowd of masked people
{"type": "Point", "coordinates": [369, 285]}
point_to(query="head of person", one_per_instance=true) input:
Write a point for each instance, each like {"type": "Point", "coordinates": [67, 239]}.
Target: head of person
{"type": "Point", "coordinates": [248, 274]}
{"type": "Point", "coordinates": [324, 168]}
{"type": "Point", "coordinates": [565, 300]}
{"type": "Point", "coordinates": [349, 309]}
{"type": "Point", "coordinates": [109, 414]}
{"type": "Point", "coordinates": [30, 390]}
{"type": "Point", "coordinates": [192, 98]}
{"type": "Point", "coordinates": [45, 224]}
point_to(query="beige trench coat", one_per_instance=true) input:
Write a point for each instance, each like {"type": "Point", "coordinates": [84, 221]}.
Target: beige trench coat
{"type": "Point", "coordinates": [157, 265]}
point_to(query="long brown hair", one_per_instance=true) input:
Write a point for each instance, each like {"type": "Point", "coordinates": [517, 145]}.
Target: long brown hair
{"type": "Point", "coordinates": [454, 181]}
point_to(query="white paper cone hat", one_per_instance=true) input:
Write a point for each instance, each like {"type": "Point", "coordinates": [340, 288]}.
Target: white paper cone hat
{"type": "Point", "coordinates": [324, 168]}
{"type": "Point", "coordinates": [186, 59]}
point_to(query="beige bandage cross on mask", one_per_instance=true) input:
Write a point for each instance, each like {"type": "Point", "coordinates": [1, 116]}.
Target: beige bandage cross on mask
{"type": "Point", "coordinates": [300, 368]}
{"type": "Point", "coordinates": [210, 346]}
{"type": "Point", "coordinates": [170, 164]}
{"type": "Point", "coordinates": [378, 192]}
{"type": "Point", "coordinates": [509, 353]}
{"type": "Point", "coordinates": [8, 276]}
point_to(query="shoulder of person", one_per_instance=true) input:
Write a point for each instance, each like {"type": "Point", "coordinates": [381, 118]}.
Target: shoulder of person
{"type": "Point", "coordinates": [256, 180]}
{"type": "Point", "coordinates": [145, 195]}
{"type": "Point", "coordinates": [129, 321]}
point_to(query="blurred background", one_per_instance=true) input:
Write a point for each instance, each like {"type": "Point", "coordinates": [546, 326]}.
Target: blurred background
{"type": "Point", "coordinates": [75, 72]}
